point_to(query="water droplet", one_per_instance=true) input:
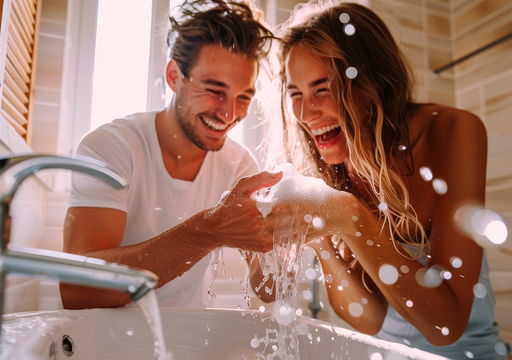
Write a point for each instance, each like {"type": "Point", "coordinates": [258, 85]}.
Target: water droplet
{"type": "Point", "coordinates": [340, 288]}
{"type": "Point", "coordinates": [358, 234]}
{"type": "Point", "coordinates": [344, 283]}
{"type": "Point", "coordinates": [349, 29]}
{"type": "Point", "coordinates": [369, 242]}
{"type": "Point", "coordinates": [409, 303]}
{"type": "Point", "coordinates": [179, 156]}
{"type": "Point", "coordinates": [351, 72]}
{"type": "Point", "coordinates": [308, 218]}
{"type": "Point", "coordinates": [310, 273]}
{"type": "Point", "coordinates": [435, 113]}
{"type": "Point", "coordinates": [364, 301]}
{"type": "Point", "coordinates": [426, 173]}
{"type": "Point", "coordinates": [344, 18]}
{"type": "Point", "coordinates": [328, 278]}
{"type": "Point", "coordinates": [376, 356]}
{"type": "Point", "coordinates": [158, 209]}
{"type": "Point", "coordinates": [306, 294]}
{"type": "Point", "coordinates": [440, 186]}
{"type": "Point", "coordinates": [132, 288]}
{"type": "Point", "coordinates": [355, 218]}
{"type": "Point", "coordinates": [402, 147]}
{"type": "Point", "coordinates": [501, 349]}
{"type": "Point", "coordinates": [325, 255]}
{"type": "Point", "coordinates": [429, 278]}
{"type": "Point", "coordinates": [318, 223]}
{"type": "Point", "coordinates": [404, 269]}
{"type": "Point", "coordinates": [297, 143]}
{"type": "Point", "coordinates": [445, 331]}
{"type": "Point", "coordinates": [388, 274]}
{"type": "Point", "coordinates": [130, 332]}
{"type": "Point", "coordinates": [383, 206]}
{"type": "Point", "coordinates": [255, 343]}
{"type": "Point", "coordinates": [456, 262]}
{"type": "Point", "coordinates": [469, 354]}
{"type": "Point", "coordinates": [355, 309]}
{"type": "Point", "coordinates": [446, 275]}
{"type": "Point", "coordinates": [206, 342]}
{"type": "Point", "coordinates": [480, 291]}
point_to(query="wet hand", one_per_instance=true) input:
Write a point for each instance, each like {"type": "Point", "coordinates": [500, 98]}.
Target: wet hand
{"type": "Point", "coordinates": [236, 221]}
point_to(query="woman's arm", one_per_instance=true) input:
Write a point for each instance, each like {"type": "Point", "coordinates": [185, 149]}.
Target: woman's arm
{"type": "Point", "coordinates": [357, 301]}
{"type": "Point", "coordinates": [458, 145]}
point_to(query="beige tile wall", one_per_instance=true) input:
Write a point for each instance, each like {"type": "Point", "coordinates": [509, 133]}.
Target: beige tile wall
{"type": "Point", "coordinates": [423, 30]}
{"type": "Point", "coordinates": [484, 87]}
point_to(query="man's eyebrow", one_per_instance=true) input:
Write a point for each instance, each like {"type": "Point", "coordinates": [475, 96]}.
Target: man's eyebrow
{"type": "Point", "coordinates": [311, 84]}
{"type": "Point", "coordinates": [221, 84]}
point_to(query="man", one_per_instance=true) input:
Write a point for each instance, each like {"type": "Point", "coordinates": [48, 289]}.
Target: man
{"type": "Point", "coordinates": [177, 162]}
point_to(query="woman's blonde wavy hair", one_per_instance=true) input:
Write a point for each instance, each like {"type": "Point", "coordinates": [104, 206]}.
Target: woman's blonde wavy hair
{"type": "Point", "coordinates": [375, 142]}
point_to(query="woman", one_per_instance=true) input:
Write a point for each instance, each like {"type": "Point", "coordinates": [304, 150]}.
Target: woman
{"type": "Point", "coordinates": [354, 123]}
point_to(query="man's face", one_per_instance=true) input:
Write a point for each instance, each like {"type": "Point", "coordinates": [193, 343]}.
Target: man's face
{"type": "Point", "coordinates": [215, 96]}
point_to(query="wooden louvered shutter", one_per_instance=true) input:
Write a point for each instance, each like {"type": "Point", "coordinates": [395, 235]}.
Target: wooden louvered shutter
{"type": "Point", "coordinates": [20, 66]}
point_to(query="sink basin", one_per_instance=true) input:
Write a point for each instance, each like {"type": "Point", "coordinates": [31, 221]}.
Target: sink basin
{"type": "Point", "coordinates": [190, 334]}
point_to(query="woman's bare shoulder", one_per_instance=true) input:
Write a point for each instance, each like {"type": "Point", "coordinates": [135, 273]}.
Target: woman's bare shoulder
{"type": "Point", "coordinates": [449, 120]}
{"type": "Point", "coordinates": [440, 121]}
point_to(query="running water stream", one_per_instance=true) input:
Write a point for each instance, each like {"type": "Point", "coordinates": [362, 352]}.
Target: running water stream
{"type": "Point", "coordinates": [284, 261]}
{"type": "Point", "coordinates": [149, 306]}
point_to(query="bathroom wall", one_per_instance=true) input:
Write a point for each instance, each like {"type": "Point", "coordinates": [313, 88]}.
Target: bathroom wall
{"type": "Point", "coordinates": [483, 85]}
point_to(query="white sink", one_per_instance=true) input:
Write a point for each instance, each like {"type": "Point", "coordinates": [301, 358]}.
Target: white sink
{"type": "Point", "coordinates": [190, 334]}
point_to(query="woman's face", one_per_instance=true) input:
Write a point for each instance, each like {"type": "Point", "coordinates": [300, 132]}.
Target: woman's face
{"type": "Point", "coordinates": [312, 105]}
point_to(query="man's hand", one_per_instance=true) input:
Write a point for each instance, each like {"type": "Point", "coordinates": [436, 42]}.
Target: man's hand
{"type": "Point", "coordinates": [236, 221]}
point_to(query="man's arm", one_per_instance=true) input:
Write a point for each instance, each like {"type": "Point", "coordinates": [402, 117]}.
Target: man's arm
{"type": "Point", "coordinates": [97, 232]}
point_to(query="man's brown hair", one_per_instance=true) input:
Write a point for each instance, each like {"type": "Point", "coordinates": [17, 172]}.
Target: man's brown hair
{"type": "Point", "coordinates": [230, 24]}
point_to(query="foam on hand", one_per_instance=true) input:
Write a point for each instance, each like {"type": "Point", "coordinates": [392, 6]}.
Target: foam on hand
{"type": "Point", "coordinates": [292, 187]}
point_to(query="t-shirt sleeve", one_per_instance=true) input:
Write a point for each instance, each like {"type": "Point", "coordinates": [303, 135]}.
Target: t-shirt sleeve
{"type": "Point", "coordinates": [112, 149]}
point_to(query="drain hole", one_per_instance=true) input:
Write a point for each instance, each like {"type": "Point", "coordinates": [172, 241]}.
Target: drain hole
{"type": "Point", "coordinates": [68, 347]}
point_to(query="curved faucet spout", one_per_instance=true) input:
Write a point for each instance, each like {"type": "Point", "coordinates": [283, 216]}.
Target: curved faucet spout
{"type": "Point", "coordinates": [16, 169]}
{"type": "Point", "coordinates": [55, 265]}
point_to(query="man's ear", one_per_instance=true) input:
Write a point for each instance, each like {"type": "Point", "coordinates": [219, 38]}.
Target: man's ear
{"type": "Point", "coordinates": [173, 75]}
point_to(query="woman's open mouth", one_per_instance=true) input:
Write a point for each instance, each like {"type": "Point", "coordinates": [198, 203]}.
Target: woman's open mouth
{"type": "Point", "coordinates": [325, 135]}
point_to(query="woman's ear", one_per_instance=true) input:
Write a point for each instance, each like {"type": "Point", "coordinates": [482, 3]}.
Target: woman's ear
{"type": "Point", "coordinates": [173, 75]}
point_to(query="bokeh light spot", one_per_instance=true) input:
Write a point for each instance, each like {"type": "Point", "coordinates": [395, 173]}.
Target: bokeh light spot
{"type": "Point", "coordinates": [383, 206]}
{"type": "Point", "coordinates": [479, 290]}
{"type": "Point", "coordinates": [350, 29]}
{"type": "Point", "coordinates": [355, 309]}
{"type": "Point", "coordinates": [388, 274]}
{"type": "Point", "coordinates": [426, 173]}
{"type": "Point", "coordinates": [310, 273]}
{"type": "Point", "coordinates": [440, 186]}
{"type": "Point", "coordinates": [456, 262]}
{"type": "Point", "coordinates": [351, 72]}
{"type": "Point", "coordinates": [318, 223]}
{"type": "Point", "coordinates": [344, 18]}
{"type": "Point", "coordinates": [501, 349]}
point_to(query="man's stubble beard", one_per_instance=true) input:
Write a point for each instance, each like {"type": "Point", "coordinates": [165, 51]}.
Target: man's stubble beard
{"type": "Point", "coordinates": [182, 114]}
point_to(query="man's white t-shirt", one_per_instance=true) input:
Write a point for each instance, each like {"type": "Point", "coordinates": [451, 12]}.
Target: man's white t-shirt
{"type": "Point", "coordinates": [153, 200]}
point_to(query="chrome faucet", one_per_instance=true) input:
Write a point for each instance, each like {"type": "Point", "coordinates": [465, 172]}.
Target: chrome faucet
{"type": "Point", "coordinates": [46, 264]}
